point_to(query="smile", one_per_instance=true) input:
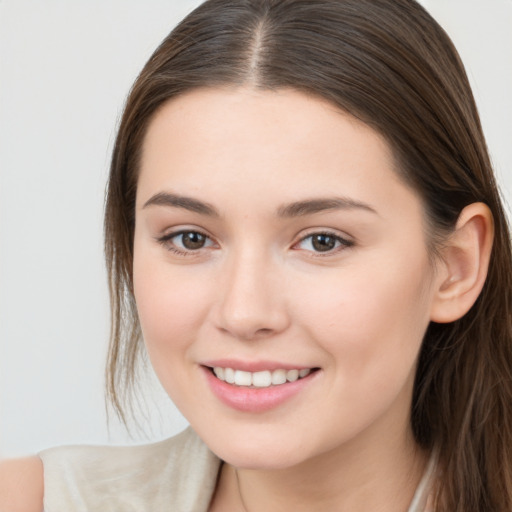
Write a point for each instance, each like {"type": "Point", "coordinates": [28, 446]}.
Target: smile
{"type": "Point", "coordinates": [261, 379]}
{"type": "Point", "coordinates": [258, 391]}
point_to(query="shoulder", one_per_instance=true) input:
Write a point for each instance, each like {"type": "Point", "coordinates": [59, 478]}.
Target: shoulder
{"type": "Point", "coordinates": [128, 460]}
{"type": "Point", "coordinates": [21, 485]}
{"type": "Point", "coordinates": [129, 478]}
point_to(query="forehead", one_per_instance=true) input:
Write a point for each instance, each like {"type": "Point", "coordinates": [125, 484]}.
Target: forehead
{"type": "Point", "coordinates": [279, 144]}
{"type": "Point", "coordinates": [252, 115]}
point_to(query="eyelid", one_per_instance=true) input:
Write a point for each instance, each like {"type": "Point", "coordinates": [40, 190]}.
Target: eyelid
{"type": "Point", "coordinates": [345, 241]}
{"type": "Point", "coordinates": [165, 240]}
{"type": "Point", "coordinates": [180, 231]}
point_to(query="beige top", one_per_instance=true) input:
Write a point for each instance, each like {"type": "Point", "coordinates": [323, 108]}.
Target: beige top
{"type": "Point", "coordinates": [175, 475]}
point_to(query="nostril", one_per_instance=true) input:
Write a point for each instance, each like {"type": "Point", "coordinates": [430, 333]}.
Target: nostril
{"type": "Point", "coordinates": [263, 332]}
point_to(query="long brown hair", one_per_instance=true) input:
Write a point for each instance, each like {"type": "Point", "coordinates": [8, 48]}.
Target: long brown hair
{"type": "Point", "coordinates": [388, 63]}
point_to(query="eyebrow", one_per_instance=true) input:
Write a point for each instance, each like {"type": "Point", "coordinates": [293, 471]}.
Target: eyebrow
{"type": "Point", "coordinates": [295, 209]}
{"type": "Point", "coordinates": [317, 205]}
{"type": "Point", "coordinates": [178, 201]}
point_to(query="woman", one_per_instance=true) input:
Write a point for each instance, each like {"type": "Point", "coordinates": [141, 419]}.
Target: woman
{"type": "Point", "coordinates": [303, 226]}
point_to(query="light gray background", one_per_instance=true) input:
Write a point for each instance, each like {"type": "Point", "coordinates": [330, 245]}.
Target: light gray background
{"type": "Point", "coordinates": [65, 69]}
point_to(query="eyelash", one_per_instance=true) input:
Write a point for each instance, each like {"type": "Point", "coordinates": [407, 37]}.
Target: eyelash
{"type": "Point", "coordinates": [342, 243]}
{"type": "Point", "coordinates": [165, 240]}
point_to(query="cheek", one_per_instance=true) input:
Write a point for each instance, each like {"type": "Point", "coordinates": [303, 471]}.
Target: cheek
{"type": "Point", "coordinates": [371, 321]}
{"type": "Point", "coordinates": [171, 307]}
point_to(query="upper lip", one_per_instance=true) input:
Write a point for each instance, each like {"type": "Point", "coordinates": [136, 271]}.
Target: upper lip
{"type": "Point", "coordinates": [254, 366]}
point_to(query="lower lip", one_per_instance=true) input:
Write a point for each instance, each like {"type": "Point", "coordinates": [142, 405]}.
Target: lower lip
{"type": "Point", "coordinates": [255, 399]}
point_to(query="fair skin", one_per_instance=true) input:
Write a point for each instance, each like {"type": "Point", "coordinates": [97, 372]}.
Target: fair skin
{"type": "Point", "coordinates": [21, 485]}
{"type": "Point", "coordinates": [273, 232]}
{"type": "Point", "coordinates": [255, 289]}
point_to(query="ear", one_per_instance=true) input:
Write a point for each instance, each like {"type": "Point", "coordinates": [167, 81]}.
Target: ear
{"type": "Point", "coordinates": [464, 263]}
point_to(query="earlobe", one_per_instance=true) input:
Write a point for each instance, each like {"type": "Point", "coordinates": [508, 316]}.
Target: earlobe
{"type": "Point", "coordinates": [464, 264]}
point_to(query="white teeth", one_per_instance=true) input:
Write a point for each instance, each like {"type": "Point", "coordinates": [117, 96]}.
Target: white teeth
{"type": "Point", "coordinates": [292, 375]}
{"type": "Point", "coordinates": [262, 379]}
{"type": "Point", "coordinates": [278, 377]}
{"type": "Point", "coordinates": [243, 378]}
{"type": "Point", "coordinates": [229, 375]}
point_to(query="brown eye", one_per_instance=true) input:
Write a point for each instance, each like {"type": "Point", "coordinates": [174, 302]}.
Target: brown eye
{"type": "Point", "coordinates": [185, 242]}
{"type": "Point", "coordinates": [323, 243]}
{"type": "Point", "coordinates": [192, 240]}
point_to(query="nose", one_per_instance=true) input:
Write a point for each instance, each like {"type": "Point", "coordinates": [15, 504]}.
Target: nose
{"type": "Point", "coordinates": [252, 299]}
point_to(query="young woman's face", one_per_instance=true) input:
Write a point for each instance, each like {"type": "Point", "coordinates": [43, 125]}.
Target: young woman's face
{"type": "Point", "coordinates": [275, 240]}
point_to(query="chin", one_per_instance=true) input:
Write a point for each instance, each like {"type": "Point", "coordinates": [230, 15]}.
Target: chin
{"type": "Point", "coordinates": [258, 459]}
{"type": "Point", "coordinates": [269, 452]}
